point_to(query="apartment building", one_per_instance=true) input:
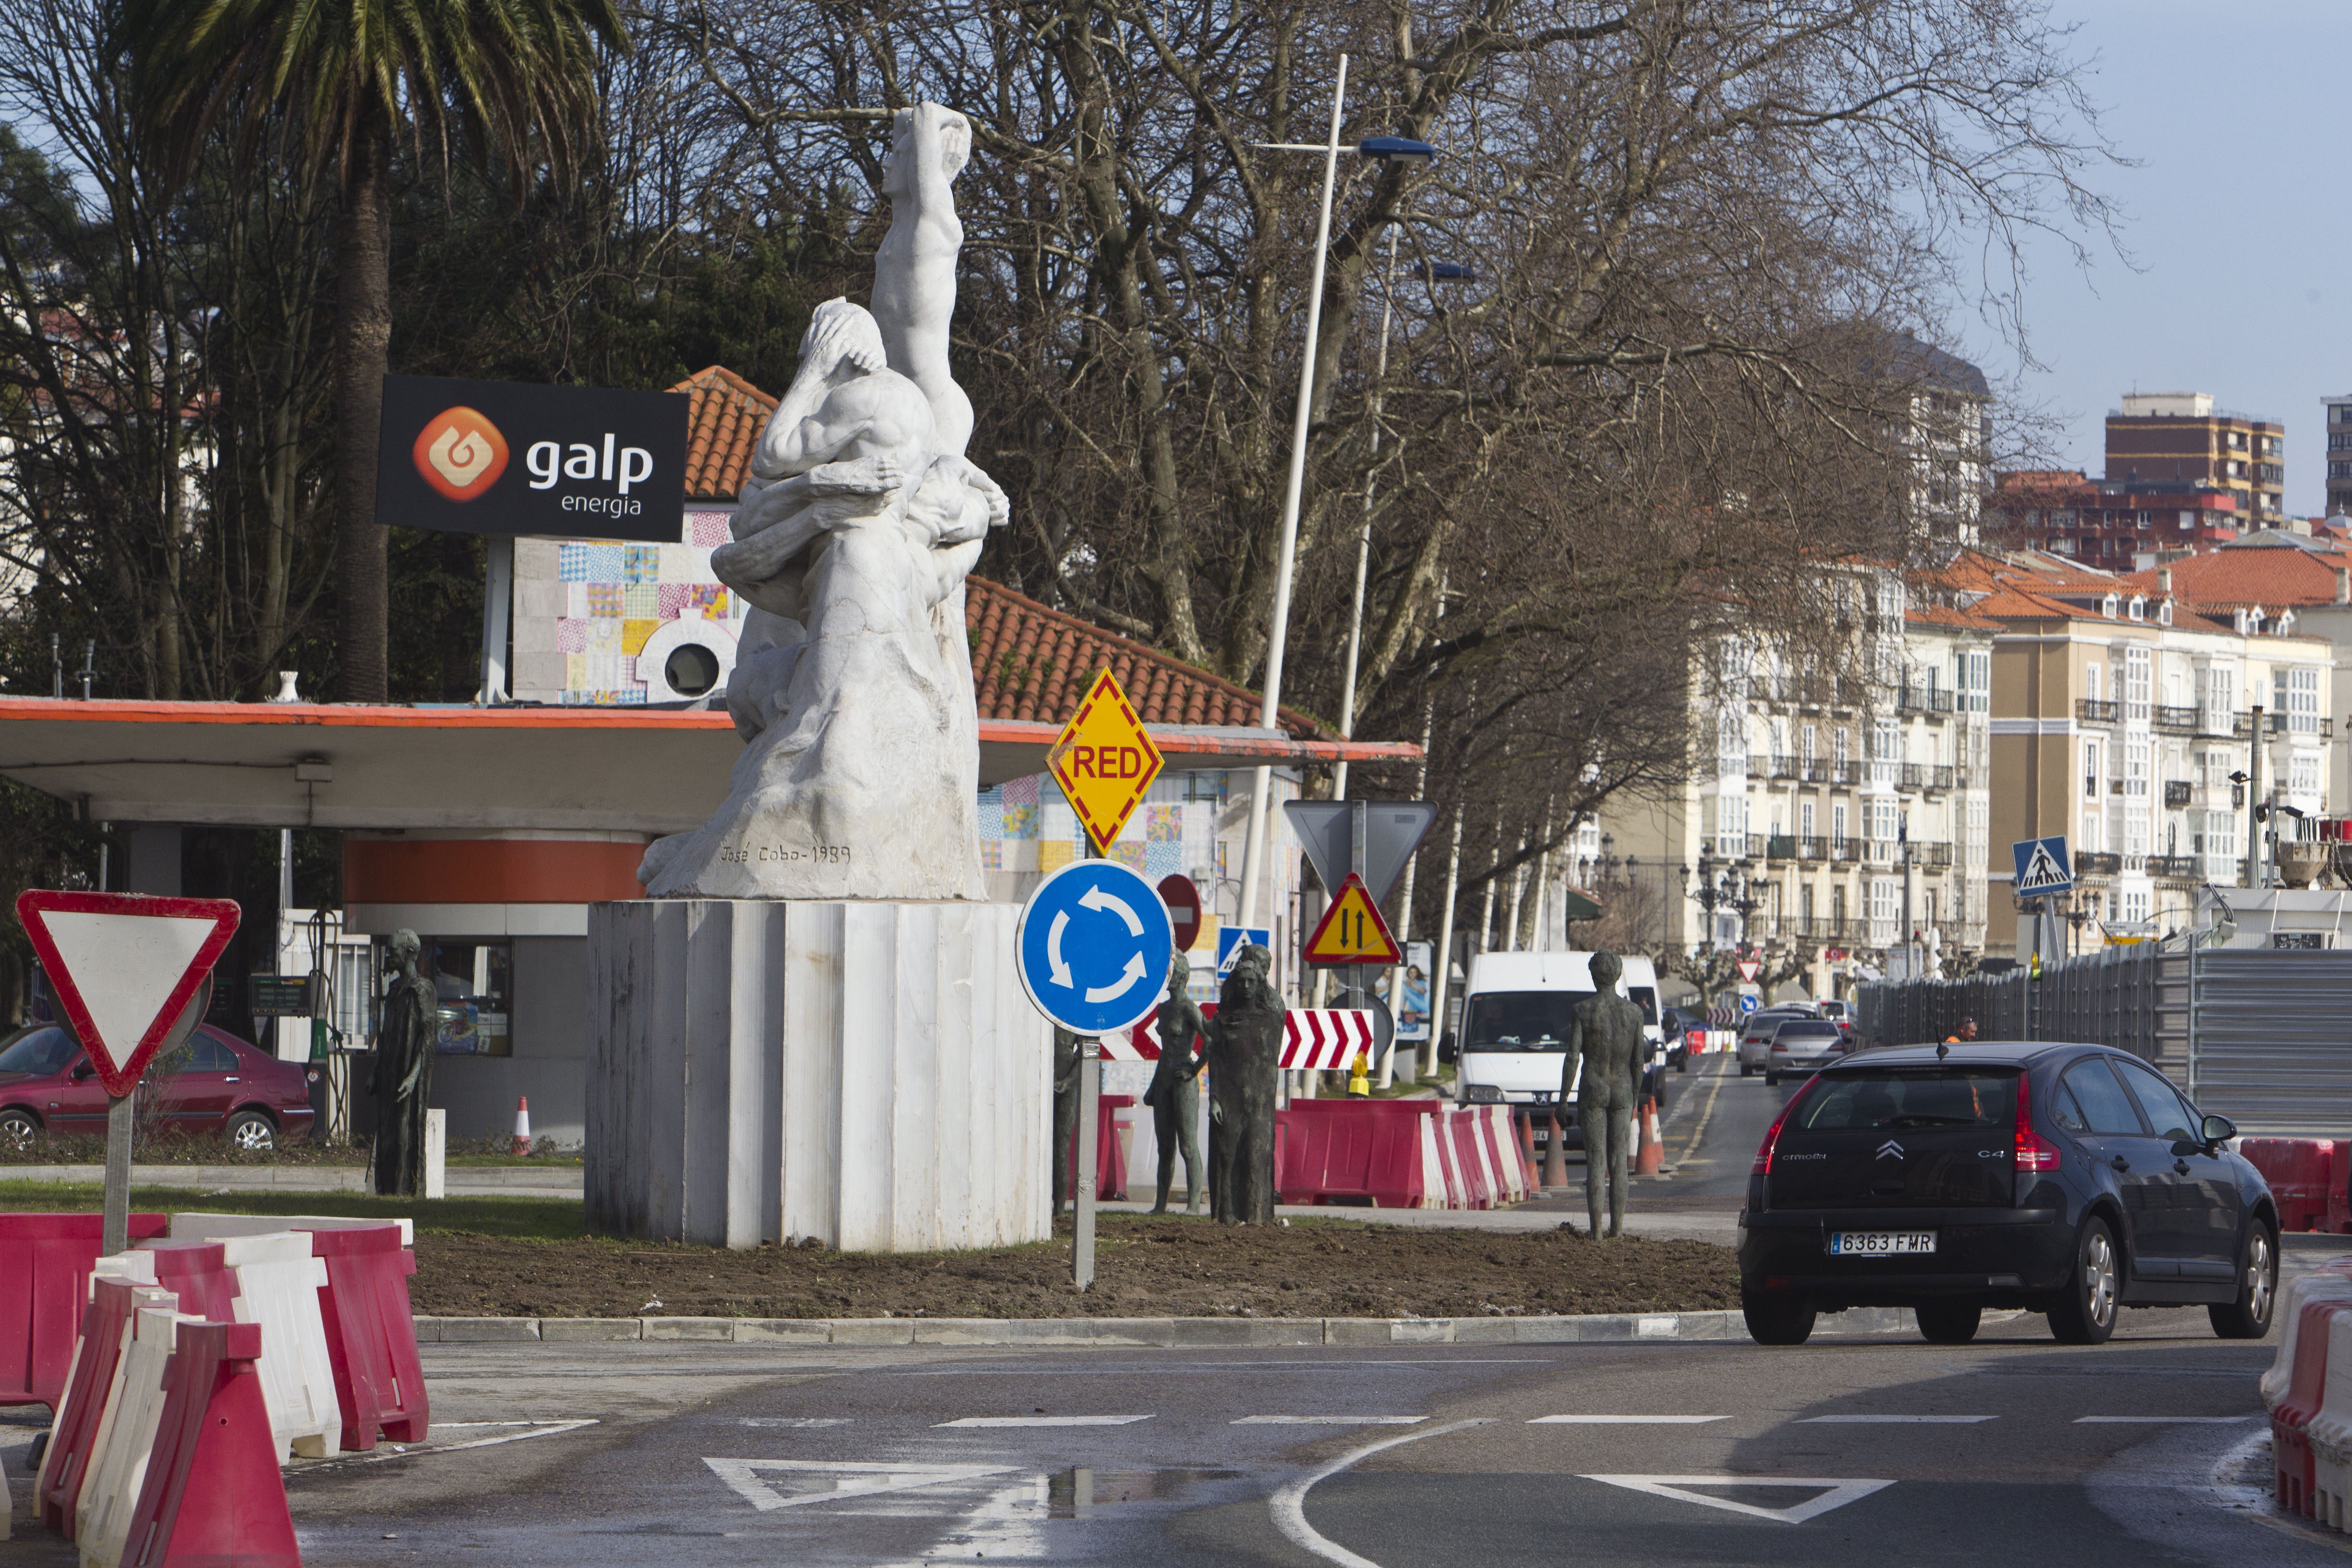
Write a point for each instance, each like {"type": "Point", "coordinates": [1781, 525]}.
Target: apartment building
{"type": "Point", "coordinates": [2118, 715]}
{"type": "Point", "coordinates": [2339, 453]}
{"type": "Point", "coordinates": [1843, 812]}
{"type": "Point", "coordinates": [2112, 524]}
{"type": "Point", "coordinates": [2180, 438]}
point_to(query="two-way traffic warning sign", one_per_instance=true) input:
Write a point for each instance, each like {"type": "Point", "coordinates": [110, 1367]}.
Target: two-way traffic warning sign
{"type": "Point", "coordinates": [1352, 932]}
{"type": "Point", "coordinates": [125, 965]}
{"type": "Point", "coordinates": [1105, 761]}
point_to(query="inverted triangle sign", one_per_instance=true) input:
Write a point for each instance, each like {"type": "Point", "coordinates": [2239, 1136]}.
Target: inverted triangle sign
{"type": "Point", "coordinates": [124, 966]}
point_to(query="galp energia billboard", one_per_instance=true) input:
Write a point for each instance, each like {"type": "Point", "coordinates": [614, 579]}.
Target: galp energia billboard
{"type": "Point", "coordinates": [563, 462]}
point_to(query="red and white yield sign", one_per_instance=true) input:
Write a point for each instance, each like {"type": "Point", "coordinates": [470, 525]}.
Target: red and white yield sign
{"type": "Point", "coordinates": [125, 965]}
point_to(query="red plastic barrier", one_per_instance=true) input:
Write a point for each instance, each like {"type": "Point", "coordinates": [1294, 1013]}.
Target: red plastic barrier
{"type": "Point", "coordinates": [1353, 1148]}
{"type": "Point", "coordinates": [200, 1275]}
{"type": "Point", "coordinates": [2339, 1186]}
{"type": "Point", "coordinates": [372, 1334]}
{"type": "Point", "coordinates": [1110, 1171]}
{"type": "Point", "coordinates": [2303, 1175]}
{"type": "Point", "coordinates": [44, 1264]}
{"type": "Point", "coordinates": [2290, 1417]}
{"type": "Point", "coordinates": [58, 1487]}
{"type": "Point", "coordinates": [1461, 1127]}
{"type": "Point", "coordinates": [213, 1496]}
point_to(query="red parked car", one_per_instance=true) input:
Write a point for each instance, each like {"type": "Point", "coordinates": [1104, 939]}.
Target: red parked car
{"type": "Point", "coordinates": [228, 1087]}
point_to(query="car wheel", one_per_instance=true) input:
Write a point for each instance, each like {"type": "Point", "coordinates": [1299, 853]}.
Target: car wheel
{"type": "Point", "coordinates": [1772, 1079]}
{"type": "Point", "coordinates": [2249, 1317]}
{"type": "Point", "coordinates": [252, 1132]}
{"type": "Point", "coordinates": [1777, 1319]}
{"type": "Point", "coordinates": [19, 1130]}
{"type": "Point", "coordinates": [2085, 1309]}
{"type": "Point", "coordinates": [1745, 1070]}
{"type": "Point", "coordinates": [1948, 1323]}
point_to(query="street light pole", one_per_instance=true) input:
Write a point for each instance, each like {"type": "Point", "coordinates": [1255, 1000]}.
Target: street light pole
{"type": "Point", "coordinates": [1364, 536]}
{"type": "Point", "coordinates": [1278, 628]}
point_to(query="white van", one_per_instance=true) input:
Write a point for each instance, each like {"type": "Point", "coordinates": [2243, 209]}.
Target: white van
{"type": "Point", "coordinates": [1513, 1042]}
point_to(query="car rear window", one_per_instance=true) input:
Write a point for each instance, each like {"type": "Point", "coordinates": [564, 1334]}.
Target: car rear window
{"type": "Point", "coordinates": [1520, 1020]}
{"type": "Point", "coordinates": [1911, 1097]}
{"type": "Point", "coordinates": [1805, 1028]}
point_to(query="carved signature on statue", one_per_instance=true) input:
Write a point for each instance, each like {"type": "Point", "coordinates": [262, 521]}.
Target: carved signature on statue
{"type": "Point", "coordinates": [778, 854]}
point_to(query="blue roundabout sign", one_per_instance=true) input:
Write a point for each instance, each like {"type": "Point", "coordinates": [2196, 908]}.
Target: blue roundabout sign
{"type": "Point", "coordinates": [1093, 942]}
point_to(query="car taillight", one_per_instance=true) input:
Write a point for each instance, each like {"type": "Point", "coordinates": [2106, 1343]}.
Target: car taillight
{"type": "Point", "coordinates": [1780, 1045]}
{"type": "Point", "coordinates": [1763, 1166]}
{"type": "Point", "coordinates": [2034, 1153]}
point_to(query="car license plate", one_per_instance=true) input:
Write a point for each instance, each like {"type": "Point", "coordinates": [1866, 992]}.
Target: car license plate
{"type": "Point", "coordinates": [1879, 1243]}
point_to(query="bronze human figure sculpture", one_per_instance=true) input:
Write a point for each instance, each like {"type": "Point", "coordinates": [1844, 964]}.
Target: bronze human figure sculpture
{"type": "Point", "coordinates": [1244, 1053]}
{"type": "Point", "coordinates": [1065, 1112]}
{"type": "Point", "coordinates": [1175, 1093]}
{"type": "Point", "coordinates": [1605, 1039]}
{"type": "Point", "coordinates": [402, 1079]}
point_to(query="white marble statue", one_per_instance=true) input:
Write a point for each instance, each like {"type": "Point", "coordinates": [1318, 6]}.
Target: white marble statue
{"type": "Point", "coordinates": [853, 678]}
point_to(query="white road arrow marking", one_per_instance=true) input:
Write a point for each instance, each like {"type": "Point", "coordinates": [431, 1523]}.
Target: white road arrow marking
{"type": "Point", "coordinates": [1840, 1493]}
{"type": "Point", "coordinates": [1054, 950]}
{"type": "Point", "coordinates": [1134, 972]}
{"type": "Point", "coordinates": [1098, 899]}
{"type": "Point", "coordinates": [848, 1480]}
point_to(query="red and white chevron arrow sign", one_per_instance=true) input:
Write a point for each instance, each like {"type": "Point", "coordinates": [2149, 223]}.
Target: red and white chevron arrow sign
{"type": "Point", "coordinates": [1315, 1037]}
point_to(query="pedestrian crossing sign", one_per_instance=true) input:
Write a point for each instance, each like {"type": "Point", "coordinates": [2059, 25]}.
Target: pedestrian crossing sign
{"type": "Point", "coordinates": [2043, 867]}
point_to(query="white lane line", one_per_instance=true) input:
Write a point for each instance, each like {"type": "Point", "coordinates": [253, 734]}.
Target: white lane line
{"type": "Point", "coordinates": [1330, 1421]}
{"type": "Point", "coordinates": [801, 1423]}
{"type": "Point", "coordinates": [1894, 1420]}
{"type": "Point", "coordinates": [1839, 1493]}
{"type": "Point", "coordinates": [1288, 1504]}
{"type": "Point", "coordinates": [1043, 1421]}
{"type": "Point", "coordinates": [540, 1429]}
{"type": "Point", "coordinates": [2161, 1420]}
{"type": "Point", "coordinates": [1624, 1420]}
{"type": "Point", "coordinates": [836, 1480]}
{"type": "Point", "coordinates": [1706, 1113]}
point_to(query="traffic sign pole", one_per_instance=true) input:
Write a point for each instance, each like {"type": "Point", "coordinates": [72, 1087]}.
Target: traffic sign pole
{"type": "Point", "coordinates": [1082, 1227]}
{"type": "Point", "coordinates": [119, 1110]}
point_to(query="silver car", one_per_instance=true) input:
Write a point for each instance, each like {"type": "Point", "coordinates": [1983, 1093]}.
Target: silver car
{"type": "Point", "coordinates": [1756, 1033]}
{"type": "Point", "coordinates": [1803, 1045]}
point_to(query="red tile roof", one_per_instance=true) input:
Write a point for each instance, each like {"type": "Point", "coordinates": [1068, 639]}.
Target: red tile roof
{"type": "Point", "coordinates": [1030, 661]}
{"type": "Point", "coordinates": [2246, 576]}
{"type": "Point", "coordinates": [724, 419]}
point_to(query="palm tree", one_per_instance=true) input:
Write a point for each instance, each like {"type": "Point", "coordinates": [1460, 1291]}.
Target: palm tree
{"type": "Point", "coordinates": [340, 78]}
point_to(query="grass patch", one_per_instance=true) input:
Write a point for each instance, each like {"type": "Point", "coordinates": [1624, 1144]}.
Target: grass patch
{"type": "Point", "coordinates": [512, 1219]}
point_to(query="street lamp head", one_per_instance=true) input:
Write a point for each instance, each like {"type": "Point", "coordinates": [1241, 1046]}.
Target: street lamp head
{"type": "Point", "coordinates": [1446, 272]}
{"type": "Point", "coordinates": [1397, 150]}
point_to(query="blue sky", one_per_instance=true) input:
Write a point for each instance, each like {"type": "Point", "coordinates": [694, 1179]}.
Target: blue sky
{"type": "Point", "coordinates": [2238, 222]}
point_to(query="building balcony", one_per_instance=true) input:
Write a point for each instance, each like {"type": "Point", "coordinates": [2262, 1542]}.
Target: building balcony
{"type": "Point", "coordinates": [2098, 863]}
{"type": "Point", "coordinates": [1930, 855]}
{"type": "Point", "coordinates": [1785, 767]}
{"type": "Point", "coordinates": [2176, 793]}
{"type": "Point", "coordinates": [2242, 727]}
{"type": "Point", "coordinates": [2089, 711]}
{"type": "Point", "coordinates": [2173, 720]}
{"type": "Point", "coordinates": [1846, 850]}
{"type": "Point", "coordinates": [1925, 776]}
{"type": "Point", "coordinates": [1924, 699]}
{"type": "Point", "coordinates": [2176, 868]}
{"type": "Point", "coordinates": [1779, 847]}
{"type": "Point", "coordinates": [1813, 846]}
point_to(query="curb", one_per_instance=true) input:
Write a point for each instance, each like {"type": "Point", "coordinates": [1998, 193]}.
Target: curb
{"type": "Point", "coordinates": [1609, 1328]}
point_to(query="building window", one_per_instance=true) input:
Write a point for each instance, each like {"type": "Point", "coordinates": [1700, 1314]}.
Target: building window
{"type": "Point", "coordinates": [1885, 893]}
{"type": "Point", "coordinates": [2092, 841]}
{"type": "Point", "coordinates": [1885, 826]}
{"type": "Point", "coordinates": [2135, 683]}
{"type": "Point", "coordinates": [473, 980]}
{"type": "Point", "coordinates": [1837, 820]}
{"type": "Point", "coordinates": [1842, 739]}
{"type": "Point", "coordinates": [2303, 700]}
{"type": "Point", "coordinates": [2134, 905]}
{"type": "Point", "coordinates": [2091, 680]}
{"type": "Point", "coordinates": [2136, 767]}
{"type": "Point", "coordinates": [1807, 742]}
{"type": "Point", "coordinates": [1805, 819]}
{"type": "Point", "coordinates": [2303, 775]}
{"type": "Point", "coordinates": [2092, 772]}
{"type": "Point", "coordinates": [1975, 680]}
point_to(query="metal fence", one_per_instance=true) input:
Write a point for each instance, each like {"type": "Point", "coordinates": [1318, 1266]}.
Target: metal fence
{"type": "Point", "coordinates": [2262, 1037]}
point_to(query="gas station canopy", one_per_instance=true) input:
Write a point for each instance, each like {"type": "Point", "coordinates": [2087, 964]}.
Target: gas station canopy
{"type": "Point", "coordinates": [640, 770]}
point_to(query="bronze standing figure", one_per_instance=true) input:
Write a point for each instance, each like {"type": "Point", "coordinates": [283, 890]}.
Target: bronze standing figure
{"type": "Point", "coordinates": [402, 1079]}
{"type": "Point", "coordinates": [1244, 1053]}
{"type": "Point", "coordinates": [1175, 1092]}
{"type": "Point", "coordinates": [1605, 1039]}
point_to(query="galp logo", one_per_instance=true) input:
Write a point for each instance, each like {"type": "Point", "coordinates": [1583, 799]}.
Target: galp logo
{"type": "Point", "coordinates": [460, 453]}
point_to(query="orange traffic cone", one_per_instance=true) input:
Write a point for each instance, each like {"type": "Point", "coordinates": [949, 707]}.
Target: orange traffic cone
{"type": "Point", "coordinates": [1653, 1156]}
{"type": "Point", "coordinates": [522, 1125]}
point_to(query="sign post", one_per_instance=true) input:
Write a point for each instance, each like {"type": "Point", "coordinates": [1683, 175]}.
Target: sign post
{"type": "Point", "coordinates": [133, 976]}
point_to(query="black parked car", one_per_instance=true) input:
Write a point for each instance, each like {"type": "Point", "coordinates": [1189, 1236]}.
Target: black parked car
{"type": "Point", "coordinates": [1678, 1022]}
{"type": "Point", "coordinates": [2071, 1180]}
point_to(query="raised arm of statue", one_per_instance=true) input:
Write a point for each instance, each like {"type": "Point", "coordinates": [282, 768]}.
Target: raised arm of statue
{"type": "Point", "coordinates": [913, 269]}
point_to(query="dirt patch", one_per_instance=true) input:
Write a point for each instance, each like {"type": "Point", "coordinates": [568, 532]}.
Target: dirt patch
{"type": "Point", "coordinates": [1145, 1267]}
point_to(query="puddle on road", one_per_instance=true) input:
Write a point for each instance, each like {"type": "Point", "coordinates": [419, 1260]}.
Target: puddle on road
{"type": "Point", "coordinates": [1079, 1491]}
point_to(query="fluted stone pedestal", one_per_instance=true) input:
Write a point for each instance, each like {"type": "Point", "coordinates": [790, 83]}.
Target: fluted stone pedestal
{"type": "Point", "coordinates": [868, 1074]}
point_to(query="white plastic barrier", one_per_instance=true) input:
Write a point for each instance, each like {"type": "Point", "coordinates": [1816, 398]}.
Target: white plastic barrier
{"type": "Point", "coordinates": [277, 1286]}
{"type": "Point", "coordinates": [2331, 1429]}
{"type": "Point", "coordinates": [2321, 1284]}
{"type": "Point", "coordinates": [220, 1226]}
{"type": "Point", "coordinates": [118, 1468]}
{"type": "Point", "coordinates": [1503, 1151]}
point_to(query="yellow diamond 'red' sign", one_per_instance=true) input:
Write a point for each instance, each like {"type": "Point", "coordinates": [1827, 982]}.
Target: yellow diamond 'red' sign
{"type": "Point", "coordinates": [1104, 760]}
